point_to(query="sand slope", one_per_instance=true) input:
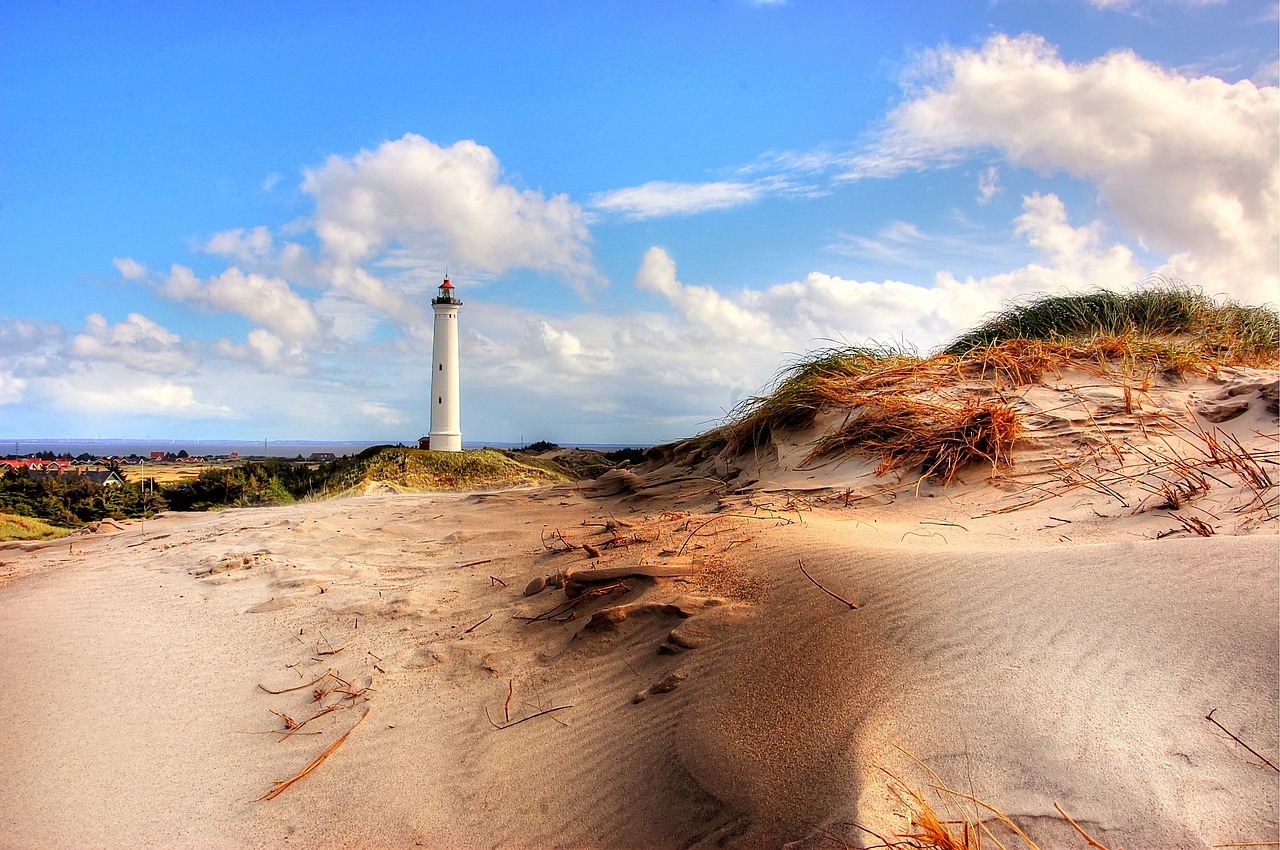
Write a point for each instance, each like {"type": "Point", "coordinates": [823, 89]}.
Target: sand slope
{"type": "Point", "coordinates": [1030, 650]}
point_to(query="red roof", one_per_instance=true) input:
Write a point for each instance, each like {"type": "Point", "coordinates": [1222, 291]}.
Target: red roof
{"type": "Point", "coordinates": [446, 284]}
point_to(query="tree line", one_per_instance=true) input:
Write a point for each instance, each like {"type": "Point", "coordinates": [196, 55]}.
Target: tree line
{"type": "Point", "coordinates": [72, 500]}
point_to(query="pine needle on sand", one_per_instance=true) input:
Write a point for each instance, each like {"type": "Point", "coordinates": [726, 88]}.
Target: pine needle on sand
{"type": "Point", "coordinates": [283, 784]}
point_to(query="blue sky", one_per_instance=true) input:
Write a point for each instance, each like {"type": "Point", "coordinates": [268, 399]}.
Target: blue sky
{"type": "Point", "coordinates": [227, 220]}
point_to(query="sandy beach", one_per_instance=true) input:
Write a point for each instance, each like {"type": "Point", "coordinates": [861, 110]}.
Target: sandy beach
{"type": "Point", "coordinates": [1035, 638]}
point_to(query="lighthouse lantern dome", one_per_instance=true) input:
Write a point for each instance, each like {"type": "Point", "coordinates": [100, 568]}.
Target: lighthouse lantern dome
{"type": "Point", "coordinates": [445, 294]}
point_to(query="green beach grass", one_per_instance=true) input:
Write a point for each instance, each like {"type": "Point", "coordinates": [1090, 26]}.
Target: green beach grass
{"type": "Point", "coordinates": [13, 527]}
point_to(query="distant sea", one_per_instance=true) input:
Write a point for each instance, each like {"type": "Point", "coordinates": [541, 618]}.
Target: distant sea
{"type": "Point", "coordinates": [108, 447]}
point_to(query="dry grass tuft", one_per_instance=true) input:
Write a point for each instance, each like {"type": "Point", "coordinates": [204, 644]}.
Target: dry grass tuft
{"type": "Point", "coordinates": [961, 821]}
{"type": "Point", "coordinates": [825, 379]}
{"type": "Point", "coordinates": [940, 437]}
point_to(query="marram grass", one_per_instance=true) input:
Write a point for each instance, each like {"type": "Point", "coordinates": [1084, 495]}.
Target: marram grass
{"type": "Point", "coordinates": [1166, 328]}
{"type": "Point", "coordinates": [13, 527]}
{"type": "Point", "coordinates": [1222, 330]}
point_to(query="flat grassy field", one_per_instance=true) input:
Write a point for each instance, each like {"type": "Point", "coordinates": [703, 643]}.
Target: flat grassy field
{"type": "Point", "coordinates": [171, 473]}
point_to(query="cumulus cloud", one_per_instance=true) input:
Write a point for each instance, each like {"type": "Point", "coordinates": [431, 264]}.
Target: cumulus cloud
{"type": "Point", "coordinates": [1187, 165]}
{"type": "Point", "coordinates": [448, 201]}
{"type": "Point", "coordinates": [12, 388]}
{"type": "Point", "coordinates": [269, 302]}
{"type": "Point", "coordinates": [657, 198]}
{"type": "Point", "coordinates": [129, 269]}
{"type": "Point", "coordinates": [569, 354]}
{"type": "Point", "coordinates": [248, 246]}
{"type": "Point", "coordinates": [701, 305]}
{"type": "Point", "coordinates": [137, 342]}
{"type": "Point", "coordinates": [267, 351]}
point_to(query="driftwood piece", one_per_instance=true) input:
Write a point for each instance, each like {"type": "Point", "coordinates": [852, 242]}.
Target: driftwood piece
{"type": "Point", "coordinates": [576, 580]}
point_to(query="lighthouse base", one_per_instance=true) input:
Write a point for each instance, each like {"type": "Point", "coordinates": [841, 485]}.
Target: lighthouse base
{"type": "Point", "coordinates": [445, 441]}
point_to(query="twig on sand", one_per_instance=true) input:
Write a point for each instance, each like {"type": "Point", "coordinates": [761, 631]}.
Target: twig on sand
{"type": "Point", "coordinates": [280, 786]}
{"type": "Point", "coordinates": [523, 719]}
{"type": "Point", "coordinates": [1077, 828]}
{"type": "Point", "coordinates": [701, 526]}
{"type": "Point", "coordinates": [495, 580]}
{"type": "Point", "coordinates": [289, 722]}
{"type": "Point", "coordinates": [475, 563]}
{"type": "Point", "coordinates": [1268, 761]}
{"type": "Point", "coordinates": [930, 534]}
{"type": "Point", "coordinates": [296, 725]}
{"type": "Point", "coordinates": [506, 706]}
{"type": "Point", "coordinates": [317, 680]}
{"type": "Point", "coordinates": [832, 594]}
{"type": "Point", "coordinates": [478, 625]}
{"type": "Point", "coordinates": [617, 588]}
{"type": "Point", "coordinates": [330, 650]}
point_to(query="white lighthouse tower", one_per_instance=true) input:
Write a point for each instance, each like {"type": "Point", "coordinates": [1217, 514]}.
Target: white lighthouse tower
{"type": "Point", "coordinates": [446, 421]}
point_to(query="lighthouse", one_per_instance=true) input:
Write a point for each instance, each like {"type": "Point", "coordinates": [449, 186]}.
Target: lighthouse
{"type": "Point", "coordinates": [446, 421]}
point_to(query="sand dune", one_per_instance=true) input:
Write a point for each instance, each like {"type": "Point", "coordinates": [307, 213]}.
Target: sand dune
{"type": "Point", "coordinates": [1048, 635]}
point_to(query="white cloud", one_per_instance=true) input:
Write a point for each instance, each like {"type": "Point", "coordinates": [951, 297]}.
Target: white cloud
{"type": "Point", "coordinates": [137, 342]}
{"type": "Point", "coordinates": [1188, 165]}
{"type": "Point", "coordinates": [657, 198]}
{"type": "Point", "coordinates": [29, 350]}
{"type": "Point", "coordinates": [99, 394]}
{"type": "Point", "coordinates": [701, 305]}
{"type": "Point", "coordinates": [247, 246]}
{"type": "Point", "coordinates": [989, 184]}
{"type": "Point", "coordinates": [376, 293]}
{"type": "Point", "coordinates": [450, 202]}
{"type": "Point", "coordinates": [12, 387]}
{"type": "Point", "coordinates": [568, 353]}
{"type": "Point", "coordinates": [129, 269]}
{"type": "Point", "coordinates": [267, 351]}
{"type": "Point", "coordinates": [266, 301]}
{"type": "Point", "coordinates": [383, 414]}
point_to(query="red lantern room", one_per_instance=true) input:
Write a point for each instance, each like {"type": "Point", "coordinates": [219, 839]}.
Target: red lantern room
{"type": "Point", "coordinates": [445, 294]}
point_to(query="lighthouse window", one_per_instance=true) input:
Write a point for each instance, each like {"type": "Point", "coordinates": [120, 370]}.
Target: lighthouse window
{"type": "Point", "coordinates": [441, 367]}
{"type": "Point", "coordinates": [440, 401]}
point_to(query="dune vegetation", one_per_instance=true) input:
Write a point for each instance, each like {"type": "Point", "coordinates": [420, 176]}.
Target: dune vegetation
{"type": "Point", "coordinates": [415, 469]}
{"type": "Point", "coordinates": [13, 527]}
{"type": "Point", "coordinates": [901, 406]}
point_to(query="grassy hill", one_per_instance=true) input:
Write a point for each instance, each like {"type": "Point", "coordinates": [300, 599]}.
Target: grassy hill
{"type": "Point", "coordinates": [407, 469]}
